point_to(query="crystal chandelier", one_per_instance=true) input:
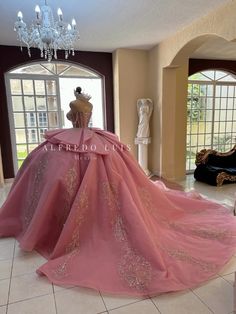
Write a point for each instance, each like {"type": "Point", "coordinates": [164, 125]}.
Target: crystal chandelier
{"type": "Point", "coordinates": [46, 34]}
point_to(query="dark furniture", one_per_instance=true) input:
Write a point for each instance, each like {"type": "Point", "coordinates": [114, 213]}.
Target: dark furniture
{"type": "Point", "coordinates": [216, 168]}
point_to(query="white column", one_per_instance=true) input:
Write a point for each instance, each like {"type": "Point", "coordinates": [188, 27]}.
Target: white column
{"type": "Point", "coordinates": [142, 143]}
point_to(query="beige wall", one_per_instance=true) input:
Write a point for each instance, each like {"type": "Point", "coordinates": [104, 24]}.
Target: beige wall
{"type": "Point", "coordinates": [130, 83]}
{"type": "Point", "coordinates": [165, 69]}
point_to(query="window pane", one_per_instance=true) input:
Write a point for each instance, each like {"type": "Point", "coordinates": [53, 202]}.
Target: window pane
{"type": "Point", "coordinates": [31, 119]}
{"type": "Point", "coordinates": [209, 74]}
{"type": "Point", "coordinates": [217, 115]}
{"type": "Point", "coordinates": [223, 115]}
{"type": "Point", "coordinates": [222, 127]}
{"type": "Point", "coordinates": [29, 103]}
{"type": "Point", "coordinates": [220, 75]}
{"type": "Point", "coordinates": [32, 69]}
{"type": "Point", "coordinates": [77, 71]}
{"type": "Point", "coordinates": [17, 103]}
{"type": "Point", "coordinates": [53, 119]}
{"type": "Point", "coordinates": [194, 128]}
{"type": "Point", "coordinates": [229, 115]}
{"type": "Point", "coordinates": [228, 78]}
{"type": "Point", "coordinates": [51, 87]}
{"type": "Point", "coordinates": [52, 103]}
{"type": "Point", "coordinates": [20, 136]}
{"type": "Point", "coordinates": [21, 151]}
{"type": "Point", "coordinates": [223, 103]}
{"type": "Point", "coordinates": [61, 68]}
{"type": "Point", "coordinates": [210, 90]}
{"type": "Point", "coordinates": [208, 127]}
{"type": "Point", "coordinates": [193, 140]}
{"type": "Point", "coordinates": [19, 120]}
{"type": "Point", "coordinates": [230, 103]}
{"type": "Point", "coordinates": [50, 66]}
{"type": "Point", "coordinates": [201, 127]}
{"type": "Point", "coordinates": [32, 135]}
{"type": "Point", "coordinates": [201, 140]}
{"type": "Point", "coordinates": [15, 87]}
{"type": "Point", "coordinates": [28, 88]}
{"type": "Point", "coordinates": [216, 127]}
{"type": "Point", "coordinates": [218, 91]}
{"type": "Point", "coordinates": [217, 103]}
{"type": "Point", "coordinates": [209, 103]}
{"type": "Point", "coordinates": [41, 103]}
{"type": "Point", "coordinates": [228, 126]}
{"type": "Point", "coordinates": [41, 134]}
{"type": "Point", "coordinates": [208, 139]}
{"type": "Point", "coordinates": [209, 115]}
{"type": "Point", "coordinates": [39, 87]}
{"type": "Point", "coordinates": [231, 91]}
{"type": "Point", "coordinates": [224, 91]}
{"type": "Point", "coordinates": [42, 119]}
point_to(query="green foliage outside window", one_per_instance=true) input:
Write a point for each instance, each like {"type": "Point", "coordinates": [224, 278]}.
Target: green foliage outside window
{"type": "Point", "coordinates": [196, 102]}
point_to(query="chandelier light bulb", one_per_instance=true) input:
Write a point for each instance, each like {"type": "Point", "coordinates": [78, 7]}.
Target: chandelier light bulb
{"type": "Point", "coordinates": [73, 22]}
{"type": "Point", "coordinates": [20, 15]}
{"type": "Point", "coordinates": [59, 13]}
{"type": "Point", "coordinates": [69, 27]}
{"type": "Point", "coordinates": [37, 9]}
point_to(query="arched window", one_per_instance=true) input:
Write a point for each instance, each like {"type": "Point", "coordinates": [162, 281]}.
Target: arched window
{"type": "Point", "coordinates": [211, 113]}
{"type": "Point", "coordinates": [38, 97]}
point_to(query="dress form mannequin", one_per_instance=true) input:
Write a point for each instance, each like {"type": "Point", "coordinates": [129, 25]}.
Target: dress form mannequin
{"type": "Point", "coordinates": [78, 106]}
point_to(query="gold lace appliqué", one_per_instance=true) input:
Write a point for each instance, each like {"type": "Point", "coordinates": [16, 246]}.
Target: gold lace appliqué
{"type": "Point", "coordinates": [210, 233]}
{"type": "Point", "coordinates": [133, 268]}
{"type": "Point", "coordinates": [146, 199]}
{"type": "Point", "coordinates": [185, 257]}
{"type": "Point", "coordinates": [36, 189]}
{"type": "Point", "coordinates": [81, 205]}
{"type": "Point", "coordinates": [71, 183]}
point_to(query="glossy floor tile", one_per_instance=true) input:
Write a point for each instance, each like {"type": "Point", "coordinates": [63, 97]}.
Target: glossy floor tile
{"type": "Point", "coordinates": [180, 303]}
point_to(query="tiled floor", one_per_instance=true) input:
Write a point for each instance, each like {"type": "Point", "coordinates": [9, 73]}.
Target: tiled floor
{"type": "Point", "coordinates": [23, 292]}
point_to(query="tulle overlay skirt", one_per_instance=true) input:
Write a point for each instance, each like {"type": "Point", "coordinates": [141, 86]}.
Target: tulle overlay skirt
{"type": "Point", "coordinates": [81, 200]}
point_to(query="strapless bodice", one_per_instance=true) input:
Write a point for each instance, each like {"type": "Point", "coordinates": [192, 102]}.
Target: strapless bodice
{"type": "Point", "coordinates": [81, 119]}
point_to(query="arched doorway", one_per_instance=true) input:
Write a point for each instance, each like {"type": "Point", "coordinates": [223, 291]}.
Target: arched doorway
{"type": "Point", "coordinates": [38, 95]}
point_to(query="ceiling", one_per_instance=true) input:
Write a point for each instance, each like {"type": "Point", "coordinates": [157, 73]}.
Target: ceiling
{"type": "Point", "coordinates": [106, 25]}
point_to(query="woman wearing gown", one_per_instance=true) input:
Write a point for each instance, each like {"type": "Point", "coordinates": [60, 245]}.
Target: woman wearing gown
{"type": "Point", "coordinates": [82, 201]}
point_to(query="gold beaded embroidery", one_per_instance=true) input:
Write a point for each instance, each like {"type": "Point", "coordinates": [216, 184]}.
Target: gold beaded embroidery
{"type": "Point", "coordinates": [36, 189]}
{"type": "Point", "coordinates": [213, 234]}
{"type": "Point", "coordinates": [133, 268]}
{"type": "Point", "coordinates": [81, 204]}
{"type": "Point", "coordinates": [146, 199]}
{"type": "Point", "coordinates": [185, 257]}
{"type": "Point", "coordinates": [71, 185]}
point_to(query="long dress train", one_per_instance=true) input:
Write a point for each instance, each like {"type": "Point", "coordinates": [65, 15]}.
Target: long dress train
{"type": "Point", "coordinates": [82, 201]}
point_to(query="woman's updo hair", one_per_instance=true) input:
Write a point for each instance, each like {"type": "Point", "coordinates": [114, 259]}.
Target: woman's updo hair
{"type": "Point", "coordinates": [78, 90]}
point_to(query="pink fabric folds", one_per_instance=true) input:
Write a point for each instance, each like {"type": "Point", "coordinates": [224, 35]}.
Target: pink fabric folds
{"type": "Point", "coordinates": [102, 224]}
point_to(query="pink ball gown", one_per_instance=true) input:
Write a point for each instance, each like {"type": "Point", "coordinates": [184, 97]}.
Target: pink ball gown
{"type": "Point", "coordinates": [82, 201]}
